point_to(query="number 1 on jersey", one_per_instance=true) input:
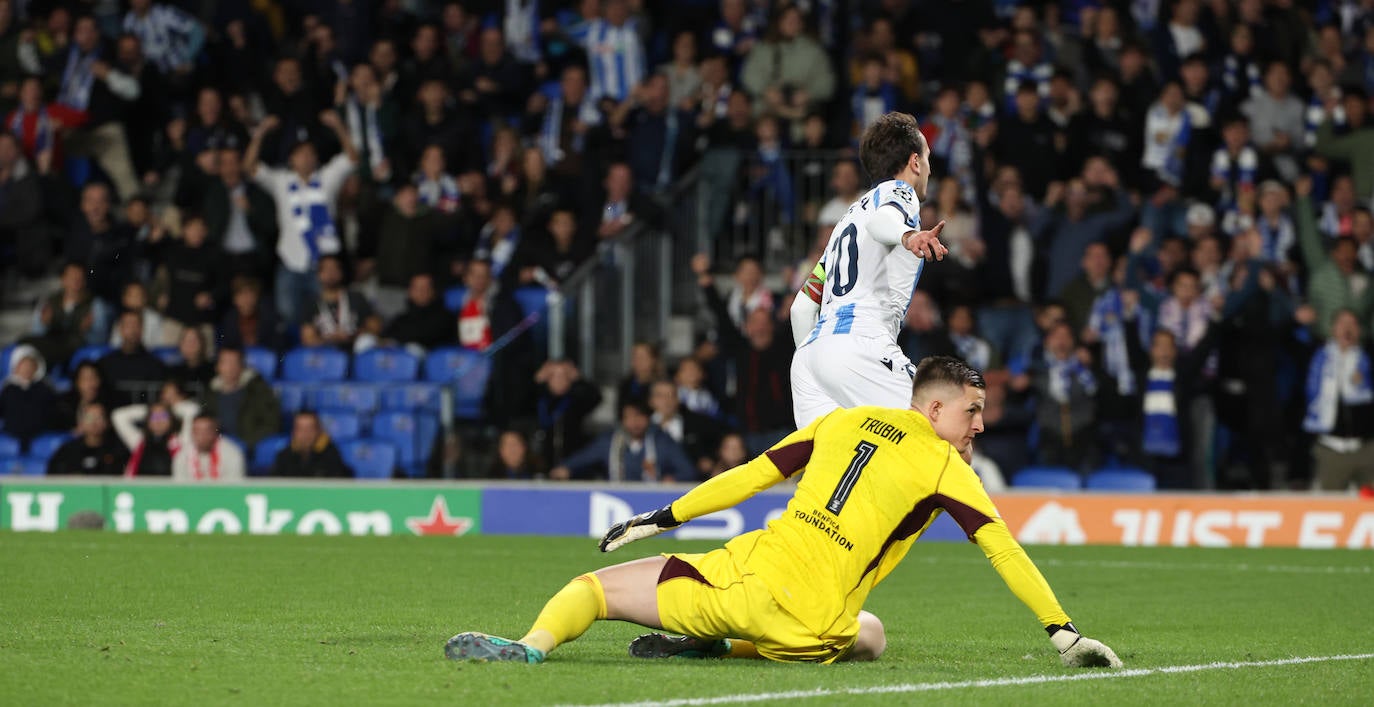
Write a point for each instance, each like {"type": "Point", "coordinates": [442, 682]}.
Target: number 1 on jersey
{"type": "Point", "coordinates": [863, 454]}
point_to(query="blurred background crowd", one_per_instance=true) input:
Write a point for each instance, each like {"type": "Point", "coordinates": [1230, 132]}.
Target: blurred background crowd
{"type": "Point", "coordinates": [1158, 214]}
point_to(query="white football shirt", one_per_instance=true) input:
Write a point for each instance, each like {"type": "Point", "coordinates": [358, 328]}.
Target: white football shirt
{"type": "Point", "coordinates": [869, 277]}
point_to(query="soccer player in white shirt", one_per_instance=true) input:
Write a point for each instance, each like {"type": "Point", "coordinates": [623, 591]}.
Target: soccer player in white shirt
{"type": "Point", "coordinates": [848, 355]}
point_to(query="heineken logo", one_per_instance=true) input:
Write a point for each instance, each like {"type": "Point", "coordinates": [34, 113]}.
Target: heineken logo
{"type": "Point", "coordinates": [319, 510]}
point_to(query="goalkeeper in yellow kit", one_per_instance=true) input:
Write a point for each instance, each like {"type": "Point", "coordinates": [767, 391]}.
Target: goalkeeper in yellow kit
{"type": "Point", "coordinates": [874, 480]}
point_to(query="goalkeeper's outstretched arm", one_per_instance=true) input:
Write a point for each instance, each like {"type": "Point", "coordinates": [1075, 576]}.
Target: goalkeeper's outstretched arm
{"type": "Point", "coordinates": [724, 491]}
{"type": "Point", "coordinates": [979, 518]}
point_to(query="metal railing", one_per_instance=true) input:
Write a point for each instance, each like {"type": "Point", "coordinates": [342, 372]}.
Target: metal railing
{"type": "Point", "coordinates": [737, 202]}
{"type": "Point", "coordinates": [621, 295]}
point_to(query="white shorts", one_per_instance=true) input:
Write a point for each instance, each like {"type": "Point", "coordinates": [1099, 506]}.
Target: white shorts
{"type": "Point", "coordinates": [845, 371]}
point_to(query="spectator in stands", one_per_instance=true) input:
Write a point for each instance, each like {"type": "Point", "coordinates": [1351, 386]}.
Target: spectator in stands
{"type": "Point", "coordinates": [101, 244]}
{"type": "Point", "coordinates": [923, 329]}
{"type": "Point", "coordinates": [196, 278]}
{"type": "Point", "coordinates": [1276, 117]}
{"type": "Point", "coordinates": [1094, 278]}
{"type": "Point", "coordinates": [241, 401]}
{"type": "Point", "coordinates": [94, 451]}
{"type": "Point", "coordinates": [249, 320]}
{"type": "Point", "coordinates": [788, 70]}
{"type": "Point", "coordinates": [339, 312]}
{"type": "Point", "coordinates": [406, 243]}
{"type": "Point", "coordinates": [567, 124]}
{"type": "Point", "coordinates": [195, 369]}
{"type": "Point", "coordinates": [132, 369]}
{"type": "Point", "coordinates": [171, 38]}
{"type": "Point", "coordinates": [973, 349]}
{"type": "Point", "coordinates": [615, 53]}
{"type": "Point", "coordinates": [762, 363]}
{"type": "Point", "coordinates": [845, 184]}
{"type": "Point", "coordinates": [730, 453]}
{"type": "Point", "coordinates": [66, 320]}
{"type": "Point", "coordinates": [311, 452]}
{"type": "Point", "coordinates": [1179, 37]}
{"type": "Point", "coordinates": [371, 120]}
{"type": "Point", "coordinates": [28, 404]}
{"type": "Point", "coordinates": [513, 460]}
{"type": "Point", "coordinates": [1335, 279]}
{"type": "Point", "coordinates": [698, 435]}
{"type": "Point", "coordinates": [498, 83]}
{"type": "Point", "coordinates": [425, 323]}
{"type": "Point", "coordinates": [619, 207]}
{"type": "Point", "coordinates": [21, 208]}
{"type": "Point", "coordinates": [646, 366]}
{"type": "Point", "coordinates": [562, 406]}
{"type": "Point", "coordinates": [241, 218]}
{"type": "Point", "coordinates": [1065, 388]}
{"type": "Point", "coordinates": [135, 299]}
{"type": "Point", "coordinates": [88, 83]}
{"type": "Point", "coordinates": [306, 196]}
{"type": "Point", "coordinates": [499, 242]}
{"type": "Point", "coordinates": [567, 248]}
{"type": "Point", "coordinates": [38, 126]}
{"type": "Point", "coordinates": [209, 456]}
{"type": "Point", "coordinates": [435, 121]}
{"type": "Point", "coordinates": [1340, 408]}
{"type": "Point", "coordinates": [692, 390]}
{"type": "Point", "coordinates": [683, 72]}
{"type": "Point", "coordinates": [1025, 140]}
{"type": "Point", "coordinates": [635, 450]}
{"type": "Point", "coordinates": [659, 130]}
{"type": "Point", "coordinates": [87, 387]}
{"type": "Point", "coordinates": [154, 434]}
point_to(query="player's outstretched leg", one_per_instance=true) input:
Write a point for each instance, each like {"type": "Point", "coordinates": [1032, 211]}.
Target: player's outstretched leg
{"type": "Point", "coordinates": [660, 645]}
{"type": "Point", "coordinates": [624, 592]}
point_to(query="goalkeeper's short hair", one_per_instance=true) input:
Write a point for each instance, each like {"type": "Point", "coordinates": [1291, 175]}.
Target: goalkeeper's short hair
{"type": "Point", "coordinates": [934, 371]}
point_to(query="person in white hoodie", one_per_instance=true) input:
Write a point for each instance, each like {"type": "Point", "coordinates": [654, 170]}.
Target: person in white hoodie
{"type": "Point", "coordinates": [27, 403]}
{"type": "Point", "coordinates": [209, 456]}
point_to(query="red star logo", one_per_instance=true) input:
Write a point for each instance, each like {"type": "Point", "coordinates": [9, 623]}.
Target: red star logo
{"type": "Point", "coordinates": [439, 522]}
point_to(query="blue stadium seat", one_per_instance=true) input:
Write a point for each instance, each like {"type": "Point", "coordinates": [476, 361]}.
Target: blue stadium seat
{"type": "Point", "coordinates": [87, 353]}
{"type": "Point", "coordinates": [341, 424]}
{"type": "Point", "coordinates": [1051, 477]}
{"type": "Point", "coordinates": [453, 297]}
{"type": "Point", "coordinates": [1120, 479]}
{"type": "Point", "coordinates": [5, 353]}
{"type": "Point", "coordinates": [314, 365]}
{"type": "Point", "coordinates": [9, 447]}
{"type": "Point", "coordinates": [532, 299]}
{"type": "Point", "coordinates": [265, 454]}
{"type": "Point", "coordinates": [360, 398]}
{"type": "Point", "coordinates": [413, 397]}
{"type": "Point", "coordinates": [169, 355]}
{"type": "Point", "coordinates": [262, 360]}
{"type": "Point", "coordinates": [412, 434]}
{"type": "Point", "coordinates": [467, 371]}
{"type": "Point", "coordinates": [295, 397]}
{"type": "Point", "coordinates": [369, 459]}
{"type": "Point", "coordinates": [43, 446]}
{"type": "Point", "coordinates": [23, 466]}
{"type": "Point", "coordinates": [386, 366]}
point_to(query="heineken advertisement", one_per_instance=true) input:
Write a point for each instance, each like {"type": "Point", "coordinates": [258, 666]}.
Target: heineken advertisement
{"type": "Point", "coordinates": [237, 510]}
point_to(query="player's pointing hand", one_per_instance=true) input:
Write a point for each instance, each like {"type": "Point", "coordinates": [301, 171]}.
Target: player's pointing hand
{"type": "Point", "coordinates": [927, 243]}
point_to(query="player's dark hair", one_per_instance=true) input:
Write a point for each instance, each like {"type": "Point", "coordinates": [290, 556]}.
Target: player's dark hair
{"type": "Point", "coordinates": [945, 370]}
{"type": "Point", "coordinates": [888, 144]}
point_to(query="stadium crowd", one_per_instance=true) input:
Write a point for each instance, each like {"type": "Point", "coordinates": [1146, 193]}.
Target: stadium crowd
{"type": "Point", "coordinates": [1158, 215]}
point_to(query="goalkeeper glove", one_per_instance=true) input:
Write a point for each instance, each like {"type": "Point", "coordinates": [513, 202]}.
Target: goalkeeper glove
{"type": "Point", "coordinates": [643, 525]}
{"type": "Point", "coordinates": [1078, 651]}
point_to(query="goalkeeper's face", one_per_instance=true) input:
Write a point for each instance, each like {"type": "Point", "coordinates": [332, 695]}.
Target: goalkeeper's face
{"type": "Point", "coordinates": [957, 416]}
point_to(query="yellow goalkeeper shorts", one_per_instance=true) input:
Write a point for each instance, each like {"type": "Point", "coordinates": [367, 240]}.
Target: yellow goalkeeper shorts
{"type": "Point", "coordinates": [711, 596]}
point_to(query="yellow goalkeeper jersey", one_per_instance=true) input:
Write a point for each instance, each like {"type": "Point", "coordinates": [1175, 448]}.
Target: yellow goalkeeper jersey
{"type": "Point", "coordinates": [875, 478]}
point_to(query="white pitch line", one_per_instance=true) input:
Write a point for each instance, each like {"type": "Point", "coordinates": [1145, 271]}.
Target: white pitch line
{"type": "Point", "coordinates": [989, 682]}
{"type": "Point", "coordinates": [1180, 566]}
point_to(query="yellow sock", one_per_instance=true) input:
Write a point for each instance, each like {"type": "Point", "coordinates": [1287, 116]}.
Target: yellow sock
{"type": "Point", "coordinates": [742, 649]}
{"type": "Point", "coordinates": [568, 614]}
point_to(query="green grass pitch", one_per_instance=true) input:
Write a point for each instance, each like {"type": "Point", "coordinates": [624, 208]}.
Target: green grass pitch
{"type": "Point", "coordinates": [140, 619]}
